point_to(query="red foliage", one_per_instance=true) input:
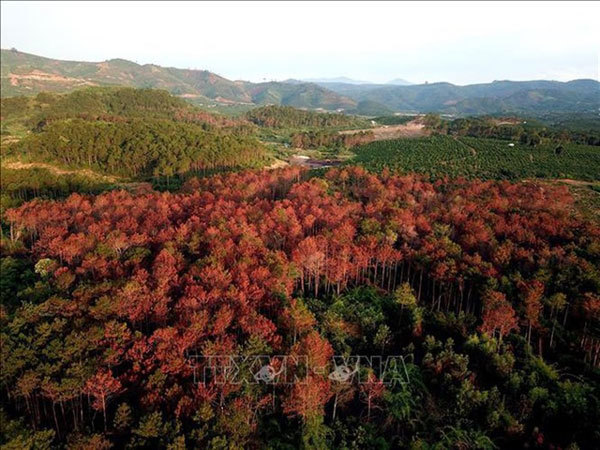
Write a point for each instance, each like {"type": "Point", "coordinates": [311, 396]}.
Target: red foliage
{"type": "Point", "coordinates": [161, 276]}
{"type": "Point", "coordinates": [498, 315]}
{"type": "Point", "coordinates": [308, 397]}
{"type": "Point", "coordinates": [372, 391]}
{"type": "Point", "coordinates": [101, 387]}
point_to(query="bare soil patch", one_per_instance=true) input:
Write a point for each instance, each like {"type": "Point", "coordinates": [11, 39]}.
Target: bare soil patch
{"type": "Point", "coordinates": [507, 121]}
{"type": "Point", "coordinates": [573, 182]}
{"type": "Point", "coordinates": [313, 163]}
{"type": "Point", "coordinates": [278, 164]}
{"type": "Point", "coordinates": [38, 75]}
{"type": "Point", "coordinates": [411, 129]}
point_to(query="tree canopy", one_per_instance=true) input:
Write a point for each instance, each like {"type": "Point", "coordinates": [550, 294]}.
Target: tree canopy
{"type": "Point", "coordinates": [489, 289]}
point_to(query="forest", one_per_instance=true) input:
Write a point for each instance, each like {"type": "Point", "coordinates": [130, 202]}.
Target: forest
{"type": "Point", "coordinates": [135, 133]}
{"type": "Point", "coordinates": [139, 147]}
{"type": "Point", "coordinates": [151, 135]}
{"type": "Point", "coordinates": [287, 117]}
{"type": "Point", "coordinates": [330, 139]}
{"type": "Point", "coordinates": [22, 185]}
{"type": "Point", "coordinates": [530, 131]}
{"type": "Point", "coordinates": [160, 289]}
{"type": "Point", "coordinates": [108, 104]}
{"type": "Point", "coordinates": [299, 226]}
{"type": "Point", "coordinates": [489, 290]}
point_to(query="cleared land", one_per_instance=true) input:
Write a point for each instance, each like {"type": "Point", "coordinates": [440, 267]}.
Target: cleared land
{"type": "Point", "coordinates": [411, 129]}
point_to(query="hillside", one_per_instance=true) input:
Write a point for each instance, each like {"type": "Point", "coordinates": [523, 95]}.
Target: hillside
{"type": "Point", "coordinates": [21, 115]}
{"type": "Point", "coordinates": [499, 97]}
{"type": "Point", "coordinates": [26, 74]}
{"type": "Point", "coordinates": [287, 117]}
{"type": "Point", "coordinates": [137, 133]}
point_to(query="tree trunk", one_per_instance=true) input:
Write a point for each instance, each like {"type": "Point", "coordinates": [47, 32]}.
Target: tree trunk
{"type": "Point", "coordinates": [334, 407]}
{"type": "Point", "coordinates": [55, 419]}
{"type": "Point", "coordinates": [104, 411]}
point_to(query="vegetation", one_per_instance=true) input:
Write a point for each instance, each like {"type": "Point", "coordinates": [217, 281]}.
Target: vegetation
{"type": "Point", "coordinates": [371, 108]}
{"type": "Point", "coordinates": [287, 117]}
{"type": "Point", "coordinates": [527, 132]}
{"type": "Point", "coordinates": [26, 74]}
{"type": "Point", "coordinates": [139, 148]}
{"type": "Point", "coordinates": [393, 120]}
{"type": "Point", "coordinates": [584, 122]}
{"type": "Point", "coordinates": [21, 185]}
{"type": "Point", "coordinates": [331, 139]}
{"type": "Point", "coordinates": [307, 129]}
{"type": "Point", "coordinates": [490, 290]}
{"type": "Point", "coordinates": [441, 156]}
{"type": "Point", "coordinates": [530, 98]}
{"type": "Point", "coordinates": [127, 313]}
{"type": "Point", "coordinates": [122, 131]}
{"type": "Point", "coordinates": [107, 104]}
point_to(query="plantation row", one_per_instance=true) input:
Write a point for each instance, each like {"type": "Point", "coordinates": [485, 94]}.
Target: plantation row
{"type": "Point", "coordinates": [440, 156]}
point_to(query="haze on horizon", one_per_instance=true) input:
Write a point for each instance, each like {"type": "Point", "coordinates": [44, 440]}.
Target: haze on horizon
{"type": "Point", "coordinates": [461, 43]}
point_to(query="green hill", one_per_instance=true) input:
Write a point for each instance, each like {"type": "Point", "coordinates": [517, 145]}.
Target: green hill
{"type": "Point", "coordinates": [499, 97]}
{"type": "Point", "coordinates": [137, 133]}
{"type": "Point", "coordinates": [288, 117]}
{"type": "Point", "coordinates": [26, 74]}
{"type": "Point", "coordinates": [139, 148]}
{"type": "Point", "coordinates": [22, 114]}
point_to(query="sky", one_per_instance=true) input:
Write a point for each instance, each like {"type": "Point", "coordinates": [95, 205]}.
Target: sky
{"type": "Point", "coordinates": [461, 43]}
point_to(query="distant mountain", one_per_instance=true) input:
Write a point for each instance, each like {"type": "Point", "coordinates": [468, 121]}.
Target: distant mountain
{"type": "Point", "coordinates": [302, 95]}
{"type": "Point", "coordinates": [336, 80]}
{"type": "Point", "coordinates": [400, 82]}
{"type": "Point", "coordinates": [371, 108]}
{"type": "Point", "coordinates": [293, 81]}
{"type": "Point", "coordinates": [498, 97]}
{"type": "Point", "coordinates": [26, 74]}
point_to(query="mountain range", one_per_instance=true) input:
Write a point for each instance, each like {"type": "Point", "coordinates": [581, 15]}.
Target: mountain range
{"type": "Point", "coordinates": [335, 80]}
{"type": "Point", "coordinates": [400, 82]}
{"type": "Point", "coordinates": [498, 97]}
{"type": "Point", "coordinates": [27, 74]}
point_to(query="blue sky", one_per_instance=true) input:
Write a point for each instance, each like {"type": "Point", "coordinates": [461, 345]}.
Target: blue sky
{"type": "Point", "coordinates": [457, 42]}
